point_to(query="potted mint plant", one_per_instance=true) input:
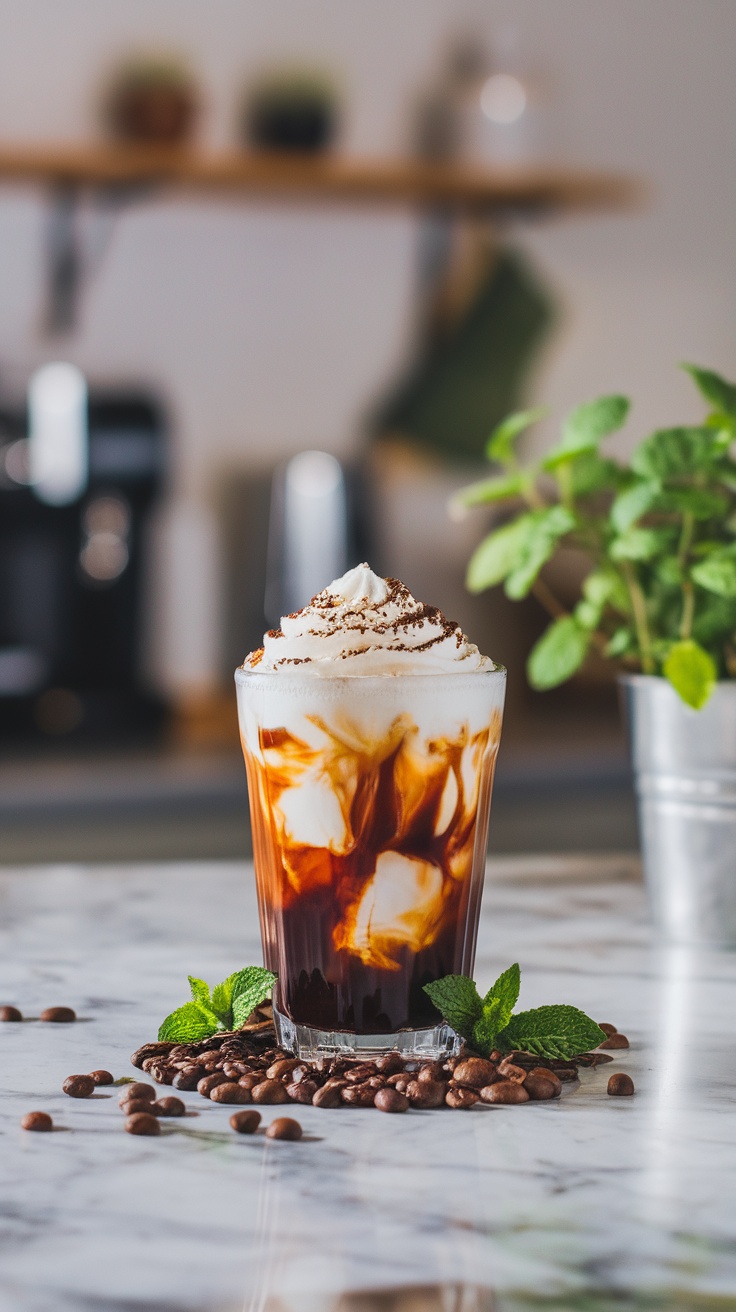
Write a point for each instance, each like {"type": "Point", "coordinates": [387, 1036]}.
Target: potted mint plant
{"type": "Point", "coordinates": [659, 600]}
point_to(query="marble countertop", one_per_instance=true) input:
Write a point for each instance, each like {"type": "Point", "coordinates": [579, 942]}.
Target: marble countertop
{"type": "Point", "coordinates": [586, 1203]}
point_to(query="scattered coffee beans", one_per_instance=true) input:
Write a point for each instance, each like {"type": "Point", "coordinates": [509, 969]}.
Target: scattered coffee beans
{"type": "Point", "coordinates": [133, 1105]}
{"type": "Point", "coordinates": [168, 1107]}
{"type": "Point", "coordinates": [79, 1086]}
{"type": "Point", "coordinates": [608, 1030]}
{"type": "Point", "coordinates": [620, 1085]}
{"type": "Point", "coordinates": [615, 1041]}
{"type": "Point", "coordinates": [12, 1013]}
{"type": "Point", "coordinates": [37, 1121]}
{"type": "Point", "coordinates": [142, 1123]}
{"type": "Point", "coordinates": [102, 1077]}
{"type": "Point", "coordinates": [59, 1015]}
{"type": "Point", "coordinates": [284, 1128]}
{"type": "Point", "coordinates": [462, 1099]}
{"type": "Point", "coordinates": [245, 1122]}
{"type": "Point", "coordinates": [474, 1072]}
{"type": "Point", "coordinates": [389, 1100]}
{"type": "Point", "coordinates": [538, 1087]}
{"type": "Point", "coordinates": [145, 1092]}
{"type": "Point", "coordinates": [505, 1092]}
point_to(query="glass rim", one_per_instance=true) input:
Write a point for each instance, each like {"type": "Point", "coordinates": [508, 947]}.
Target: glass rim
{"type": "Point", "coordinates": [243, 676]}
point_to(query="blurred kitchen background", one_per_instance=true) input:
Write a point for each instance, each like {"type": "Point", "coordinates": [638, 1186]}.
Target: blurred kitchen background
{"type": "Point", "coordinates": [269, 274]}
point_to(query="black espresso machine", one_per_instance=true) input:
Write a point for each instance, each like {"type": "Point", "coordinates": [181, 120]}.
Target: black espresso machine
{"type": "Point", "coordinates": [71, 542]}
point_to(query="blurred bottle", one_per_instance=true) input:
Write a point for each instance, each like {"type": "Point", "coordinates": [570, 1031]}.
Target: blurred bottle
{"type": "Point", "coordinates": [485, 107]}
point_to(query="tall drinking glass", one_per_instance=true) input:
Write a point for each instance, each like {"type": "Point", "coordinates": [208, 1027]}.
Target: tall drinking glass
{"type": "Point", "coordinates": [369, 801]}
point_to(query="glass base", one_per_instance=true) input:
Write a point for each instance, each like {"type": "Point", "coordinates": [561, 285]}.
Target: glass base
{"type": "Point", "coordinates": [312, 1044]}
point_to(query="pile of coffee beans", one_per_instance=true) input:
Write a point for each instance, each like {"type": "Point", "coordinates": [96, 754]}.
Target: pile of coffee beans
{"type": "Point", "coordinates": [58, 1015]}
{"type": "Point", "coordinates": [245, 1068]}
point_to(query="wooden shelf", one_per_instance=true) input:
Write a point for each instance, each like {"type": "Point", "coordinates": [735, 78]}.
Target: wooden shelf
{"type": "Point", "coordinates": [328, 179]}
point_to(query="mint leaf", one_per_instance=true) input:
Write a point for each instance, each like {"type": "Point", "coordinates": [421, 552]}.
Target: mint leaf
{"type": "Point", "coordinates": [488, 489]}
{"type": "Point", "coordinates": [200, 990]}
{"type": "Point", "coordinates": [188, 1024]}
{"type": "Point", "coordinates": [715, 389]}
{"type": "Point", "coordinates": [506, 993]}
{"type": "Point", "coordinates": [692, 672]}
{"type": "Point", "coordinates": [498, 554]}
{"type": "Point", "coordinates": [552, 1032]}
{"type": "Point", "coordinates": [250, 987]}
{"type": "Point", "coordinates": [620, 642]}
{"type": "Point", "coordinates": [458, 1002]}
{"type": "Point", "coordinates": [630, 505]}
{"type": "Point", "coordinates": [638, 544]}
{"type": "Point", "coordinates": [586, 426]}
{"type": "Point", "coordinates": [500, 445]}
{"type": "Point", "coordinates": [674, 452]}
{"type": "Point", "coordinates": [222, 999]}
{"type": "Point", "coordinates": [559, 652]}
{"type": "Point", "coordinates": [717, 573]}
{"type": "Point", "coordinates": [546, 529]}
{"type": "Point", "coordinates": [487, 1026]}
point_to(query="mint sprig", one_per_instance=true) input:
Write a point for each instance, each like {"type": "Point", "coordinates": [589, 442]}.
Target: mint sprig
{"type": "Point", "coordinates": [553, 1032]}
{"type": "Point", "coordinates": [226, 1008]}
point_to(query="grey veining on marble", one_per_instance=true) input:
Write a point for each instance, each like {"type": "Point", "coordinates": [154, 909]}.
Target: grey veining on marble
{"type": "Point", "coordinates": [585, 1203]}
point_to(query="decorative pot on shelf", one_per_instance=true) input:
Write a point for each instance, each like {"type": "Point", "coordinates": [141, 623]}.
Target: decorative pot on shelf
{"type": "Point", "coordinates": [685, 774]}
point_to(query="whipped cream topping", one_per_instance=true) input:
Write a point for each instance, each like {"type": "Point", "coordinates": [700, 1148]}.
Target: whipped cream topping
{"type": "Point", "coordinates": [364, 624]}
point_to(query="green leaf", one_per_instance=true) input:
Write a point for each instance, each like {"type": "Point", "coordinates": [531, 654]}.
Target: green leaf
{"type": "Point", "coordinates": [676, 452]}
{"type": "Point", "coordinates": [500, 445]}
{"type": "Point", "coordinates": [715, 389]}
{"type": "Point", "coordinates": [601, 588]}
{"type": "Point", "coordinates": [458, 1002]}
{"type": "Point", "coordinates": [552, 1032]}
{"type": "Point", "coordinates": [200, 990]}
{"type": "Point", "coordinates": [691, 671]}
{"type": "Point", "coordinates": [717, 574]}
{"type": "Point", "coordinates": [502, 488]}
{"type": "Point", "coordinates": [547, 528]}
{"type": "Point", "coordinates": [250, 988]}
{"type": "Point", "coordinates": [637, 544]}
{"type": "Point", "coordinates": [557, 655]}
{"type": "Point", "coordinates": [589, 473]}
{"type": "Point", "coordinates": [487, 1026]}
{"type": "Point", "coordinates": [505, 991]}
{"type": "Point", "coordinates": [188, 1024]}
{"type": "Point", "coordinates": [222, 999]}
{"type": "Point", "coordinates": [693, 501]}
{"type": "Point", "coordinates": [586, 426]}
{"type": "Point", "coordinates": [620, 642]}
{"type": "Point", "coordinates": [498, 554]}
{"type": "Point", "coordinates": [715, 620]}
{"type": "Point", "coordinates": [630, 505]}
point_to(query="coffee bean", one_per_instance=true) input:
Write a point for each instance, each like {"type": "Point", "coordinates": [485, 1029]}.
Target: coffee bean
{"type": "Point", "coordinates": [330, 1095]}
{"type": "Point", "coordinates": [426, 1093]}
{"type": "Point", "coordinates": [189, 1078]}
{"type": "Point", "coordinates": [78, 1086]}
{"type": "Point", "coordinates": [433, 1071]}
{"type": "Point", "coordinates": [133, 1105]}
{"type": "Point", "coordinates": [620, 1085]}
{"type": "Point", "coordinates": [58, 1015]}
{"type": "Point", "coordinates": [505, 1092]}
{"type": "Point", "coordinates": [234, 1070]}
{"type": "Point", "coordinates": [37, 1121]}
{"type": "Point", "coordinates": [12, 1013]}
{"type": "Point", "coordinates": [452, 1062]}
{"type": "Point", "coordinates": [137, 1090]}
{"type": "Point", "coordinates": [538, 1087]}
{"type": "Point", "coordinates": [377, 1081]}
{"type": "Point", "coordinates": [245, 1122]}
{"type": "Point", "coordinates": [149, 1051]}
{"type": "Point", "coordinates": [284, 1128]}
{"type": "Point", "coordinates": [615, 1041]}
{"type": "Point", "coordinates": [607, 1029]}
{"type": "Point", "coordinates": [399, 1082]}
{"type": "Point", "coordinates": [210, 1082]}
{"type": "Point", "coordinates": [508, 1071]}
{"type": "Point", "coordinates": [168, 1107]}
{"type": "Point", "coordinates": [389, 1064]}
{"type": "Point", "coordinates": [360, 1095]}
{"type": "Point", "coordinates": [474, 1072]}
{"type": "Point", "coordinates": [460, 1099]}
{"type": "Point", "coordinates": [142, 1123]}
{"type": "Point", "coordinates": [269, 1091]}
{"type": "Point", "coordinates": [566, 1076]}
{"type": "Point", "coordinates": [301, 1072]}
{"type": "Point", "coordinates": [390, 1100]}
{"type": "Point", "coordinates": [543, 1073]}
{"type": "Point", "coordinates": [229, 1093]}
{"type": "Point", "coordinates": [161, 1072]}
{"type": "Point", "coordinates": [102, 1077]}
{"type": "Point", "coordinates": [251, 1080]}
{"type": "Point", "coordinates": [281, 1068]}
{"type": "Point", "coordinates": [359, 1074]}
{"type": "Point", "coordinates": [304, 1091]}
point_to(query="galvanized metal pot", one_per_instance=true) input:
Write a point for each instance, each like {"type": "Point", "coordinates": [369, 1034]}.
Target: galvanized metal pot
{"type": "Point", "coordinates": [685, 773]}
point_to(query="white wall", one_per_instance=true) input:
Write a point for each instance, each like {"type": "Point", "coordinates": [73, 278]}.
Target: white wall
{"type": "Point", "coordinates": [270, 329]}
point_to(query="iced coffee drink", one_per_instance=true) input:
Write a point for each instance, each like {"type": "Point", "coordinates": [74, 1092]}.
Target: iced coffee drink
{"type": "Point", "coordinates": [370, 728]}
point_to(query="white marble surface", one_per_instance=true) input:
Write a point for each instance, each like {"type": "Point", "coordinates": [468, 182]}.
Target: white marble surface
{"type": "Point", "coordinates": [586, 1203]}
